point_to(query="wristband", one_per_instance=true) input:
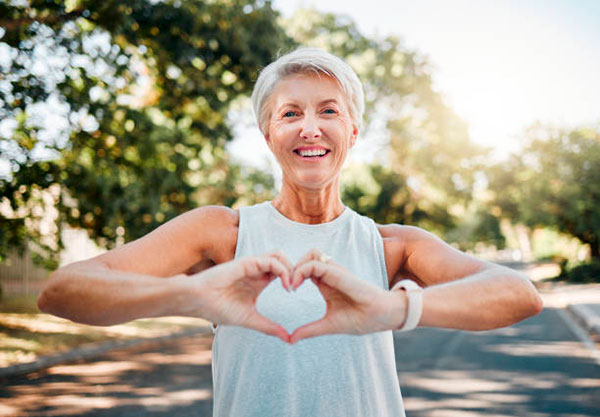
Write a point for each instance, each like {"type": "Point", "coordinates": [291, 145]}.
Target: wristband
{"type": "Point", "coordinates": [415, 303]}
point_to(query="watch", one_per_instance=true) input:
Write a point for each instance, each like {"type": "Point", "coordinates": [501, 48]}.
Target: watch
{"type": "Point", "coordinates": [415, 303]}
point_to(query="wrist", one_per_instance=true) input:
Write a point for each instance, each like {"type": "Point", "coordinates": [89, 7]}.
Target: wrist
{"type": "Point", "coordinates": [185, 295]}
{"type": "Point", "coordinates": [413, 302]}
{"type": "Point", "coordinates": [399, 300]}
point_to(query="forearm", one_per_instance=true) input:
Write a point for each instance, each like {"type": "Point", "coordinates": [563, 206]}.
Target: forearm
{"type": "Point", "coordinates": [100, 296]}
{"type": "Point", "coordinates": [496, 297]}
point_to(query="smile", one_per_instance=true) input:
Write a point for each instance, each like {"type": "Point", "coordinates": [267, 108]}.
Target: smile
{"type": "Point", "coordinates": [311, 153]}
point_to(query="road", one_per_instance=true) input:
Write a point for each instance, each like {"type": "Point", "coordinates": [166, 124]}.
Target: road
{"type": "Point", "coordinates": [532, 369]}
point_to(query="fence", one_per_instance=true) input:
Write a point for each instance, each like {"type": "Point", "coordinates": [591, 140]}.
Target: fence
{"type": "Point", "coordinates": [19, 275]}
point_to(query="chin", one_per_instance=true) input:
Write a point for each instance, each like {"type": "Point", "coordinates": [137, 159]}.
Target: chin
{"type": "Point", "coordinates": [313, 181]}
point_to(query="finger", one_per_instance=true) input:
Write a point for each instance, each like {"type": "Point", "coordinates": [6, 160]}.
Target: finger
{"type": "Point", "coordinates": [269, 265]}
{"type": "Point", "coordinates": [267, 326]}
{"type": "Point", "coordinates": [316, 270]}
{"type": "Point", "coordinates": [336, 277]}
{"type": "Point", "coordinates": [303, 272]}
{"type": "Point", "coordinates": [316, 328]}
{"type": "Point", "coordinates": [312, 255]}
{"type": "Point", "coordinates": [283, 259]}
{"type": "Point", "coordinates": [280, 256]}
{"type": "Point", "coordinates": [296, 280]}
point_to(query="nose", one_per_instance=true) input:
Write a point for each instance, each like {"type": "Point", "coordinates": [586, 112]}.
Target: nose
{"type": "Point", "coordinates": [310, 128]}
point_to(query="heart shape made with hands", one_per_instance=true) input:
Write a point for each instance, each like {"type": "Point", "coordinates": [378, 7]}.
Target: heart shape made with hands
{"type": "Point", "coordinates": [294, 308]}
{"type": "Point", "coordinates": [328, 299]}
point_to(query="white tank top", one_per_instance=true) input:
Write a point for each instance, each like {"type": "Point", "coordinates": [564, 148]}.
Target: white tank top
{"type": "Point", "coordinates": [326, 376]}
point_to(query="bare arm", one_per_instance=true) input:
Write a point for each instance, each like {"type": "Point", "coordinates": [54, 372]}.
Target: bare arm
{"type": "Point", "coordinates": [461, 292]}
{"type": "Point", "coordinates": [144, 278]}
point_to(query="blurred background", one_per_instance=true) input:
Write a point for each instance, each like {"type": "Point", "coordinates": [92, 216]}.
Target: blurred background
{"type": "Point", "coordinates": [482, 124]}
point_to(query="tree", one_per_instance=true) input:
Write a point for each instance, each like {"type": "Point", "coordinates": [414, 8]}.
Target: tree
{"type": "Point", "coordinates": [139, 92]}
{"type": "Point", "coordinates": [428, 176]}
{"type": "Point", "coordinates": [554, 182]}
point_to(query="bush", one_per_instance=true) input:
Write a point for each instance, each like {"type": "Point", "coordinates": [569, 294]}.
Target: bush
{"type": "Point", "coordinates": [582, 273]}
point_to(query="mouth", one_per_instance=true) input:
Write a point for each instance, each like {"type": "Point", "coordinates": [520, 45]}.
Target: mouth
{"type": "Point", "coordinates": [312, 153]}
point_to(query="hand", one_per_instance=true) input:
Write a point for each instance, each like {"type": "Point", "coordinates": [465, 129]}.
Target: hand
{"type": "Point", "coordinates": [354, 306]}
{"type": "Point", "coordinates": [229, 291]}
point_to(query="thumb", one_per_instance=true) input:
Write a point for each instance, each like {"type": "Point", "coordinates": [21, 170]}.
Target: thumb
{"type": "Point", "coordinates": [268, 326]}
{"type": "Point", "coordinates": [316, 328]}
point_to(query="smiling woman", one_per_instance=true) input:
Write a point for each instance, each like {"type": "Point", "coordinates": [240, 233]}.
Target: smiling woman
{"type": "Point", "coordinates": [303, 268]}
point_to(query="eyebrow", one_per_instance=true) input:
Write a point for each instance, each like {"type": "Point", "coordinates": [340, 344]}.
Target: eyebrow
{"type": "Point", "coordinates": [320, 103]}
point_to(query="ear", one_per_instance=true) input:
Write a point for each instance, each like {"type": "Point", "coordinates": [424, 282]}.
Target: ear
{"type": "Point", "coordinates": [354, 135]}
{"type": "Point", "coordinates": [268, 140]}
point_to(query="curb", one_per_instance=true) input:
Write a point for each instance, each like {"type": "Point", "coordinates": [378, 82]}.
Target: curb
{"type": "Point", "coordinates": [587, 318]}
{"type": "Point", "coordinates": [93, 350]}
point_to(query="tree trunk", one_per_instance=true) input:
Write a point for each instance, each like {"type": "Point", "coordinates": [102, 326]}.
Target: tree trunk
{"type": "Point", "coordinates": [522, 232]}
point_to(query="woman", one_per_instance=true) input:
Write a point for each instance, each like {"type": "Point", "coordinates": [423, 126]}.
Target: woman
{"type": "Point", "coordinates": [300, 266]}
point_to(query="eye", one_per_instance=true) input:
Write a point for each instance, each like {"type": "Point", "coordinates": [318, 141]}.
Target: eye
{"type": "Point", "coordinates": [329, 111]}
{"type": "Point", "coordinates": [289, 114]}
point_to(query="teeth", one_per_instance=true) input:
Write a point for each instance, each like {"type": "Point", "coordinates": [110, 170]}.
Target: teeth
{"type": "Point", "coordinates": [316, 152]}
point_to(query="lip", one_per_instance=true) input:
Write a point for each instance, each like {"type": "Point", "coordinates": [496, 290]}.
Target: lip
{"type": "Point", "coordinates": [311, 148]}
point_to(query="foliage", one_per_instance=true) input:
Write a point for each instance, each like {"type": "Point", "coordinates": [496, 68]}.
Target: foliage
{"type": "Point", "coordinates": [138, 93]}
{"type": "Point", "coordinates": [584, 273]}
{"type": "Point", "coordinates": [430, 162]}
{"type": "Point", "coordinates": [476, 228]}
{"type": "Point", "coordinates": [554, 182]}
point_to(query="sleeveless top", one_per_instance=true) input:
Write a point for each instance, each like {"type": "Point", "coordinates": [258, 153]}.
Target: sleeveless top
{"type": "Point", "coordinates": [332, 375]}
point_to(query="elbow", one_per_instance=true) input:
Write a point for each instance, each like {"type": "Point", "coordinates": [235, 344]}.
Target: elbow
{"type": "Point", "coordinates": [537, 305]}
{"type": "Point", "coordinates": [50, 295]}
{"type": "Point", "coordinates": [530, 301]}
{"type": "Point", "coordinates": [42, 302]}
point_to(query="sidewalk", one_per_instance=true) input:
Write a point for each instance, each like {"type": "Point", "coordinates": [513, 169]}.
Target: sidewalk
{"type": "Point", "coordinates": [581, 301]}
{"type": "Point", "coordinates": [31, 341]}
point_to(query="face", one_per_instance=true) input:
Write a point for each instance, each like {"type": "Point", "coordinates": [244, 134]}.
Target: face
{"type": "Point", "coordinates": [310, 129]}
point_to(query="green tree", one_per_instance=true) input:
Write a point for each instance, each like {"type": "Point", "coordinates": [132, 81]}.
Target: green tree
{"type": "Point", "coordinates": [554, 182]}
{"type": "Point", "coordinates": [139, 92]}
{"type": "Point", "coordinates": [431, 163]}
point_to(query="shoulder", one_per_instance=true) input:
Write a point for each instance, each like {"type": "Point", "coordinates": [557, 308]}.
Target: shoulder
{"type": "Point", "coordinates": [189, 242]}
{"type": "Point", "coordinates": [397, 230]}
{"type": "Point", "coordinates": [405, 234]}
{"type": "Point", "coordinates": [399, 241]}
{"type": "Point", "coordinates": [219, 216]}
{"type": "Point", "coordinates": [218, 226]}
{"type": "Point", "coordinates": [420, 255]}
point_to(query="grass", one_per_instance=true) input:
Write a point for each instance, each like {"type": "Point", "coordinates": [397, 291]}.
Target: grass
{"type": "Point", "coordinates": [19, 304]}
{"type": "Point", "coordinates": [26, 333]}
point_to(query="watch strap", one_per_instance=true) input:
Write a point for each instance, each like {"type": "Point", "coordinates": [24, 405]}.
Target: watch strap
{"type": "Point", "coordinates": [415, 303]}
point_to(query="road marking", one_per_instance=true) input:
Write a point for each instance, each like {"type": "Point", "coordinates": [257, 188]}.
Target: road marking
{"type": "Point", "coordinates": [581, 334]}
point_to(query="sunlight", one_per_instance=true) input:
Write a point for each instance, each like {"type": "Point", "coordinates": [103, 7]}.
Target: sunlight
{"type": "Point", "coordinates": [555, 348]}
{"type": "Point", "coordinates": [500, 65]}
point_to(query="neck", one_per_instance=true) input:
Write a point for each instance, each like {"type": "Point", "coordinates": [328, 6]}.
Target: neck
{"type": "Point", "coordinates": [310, 206]}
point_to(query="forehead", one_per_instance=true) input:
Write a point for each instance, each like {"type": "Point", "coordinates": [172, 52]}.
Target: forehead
{"type": "Point", "coordinates": [309, 88]}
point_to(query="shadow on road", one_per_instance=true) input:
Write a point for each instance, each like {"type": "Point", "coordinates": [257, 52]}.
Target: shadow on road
{"type": "Point", "coordinates": [534, 368]}
{"type": "Point", "coordinates": [173, 379]}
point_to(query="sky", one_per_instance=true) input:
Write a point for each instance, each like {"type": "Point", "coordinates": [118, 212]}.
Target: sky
{"type": "Point", "coordinates": [502, 65]}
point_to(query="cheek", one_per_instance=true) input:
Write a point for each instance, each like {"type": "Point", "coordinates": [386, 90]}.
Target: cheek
{"type": "Point", "coordinates": [278, 127]}
{"type": "Point", "coordinates": [343, 127]}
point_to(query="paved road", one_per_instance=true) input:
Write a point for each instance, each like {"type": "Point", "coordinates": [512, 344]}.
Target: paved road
{"type": "Point", "coordinates": [533, 369]}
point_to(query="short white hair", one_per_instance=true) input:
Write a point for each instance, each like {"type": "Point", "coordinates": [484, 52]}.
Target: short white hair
{"type": "Point", "coordinates": [303, 60]}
